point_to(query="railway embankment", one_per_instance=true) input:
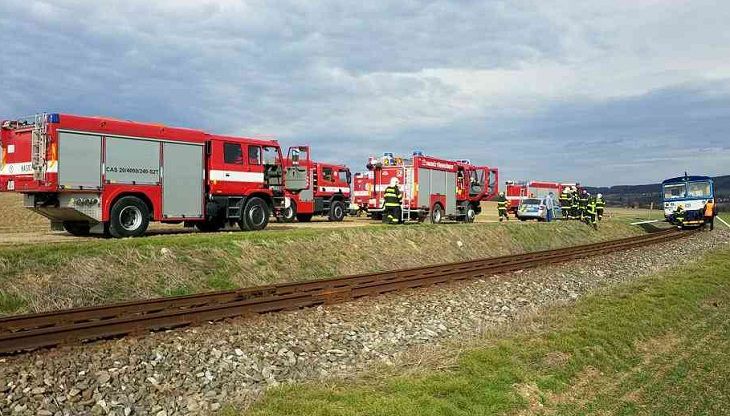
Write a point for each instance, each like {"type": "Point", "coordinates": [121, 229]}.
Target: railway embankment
{"type": "Point", "coordinates": [38, 277]}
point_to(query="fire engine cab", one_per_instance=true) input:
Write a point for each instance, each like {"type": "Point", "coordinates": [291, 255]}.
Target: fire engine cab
{"type": "Point", "coordinates": [432, 188]}
{"type": "Point", "coordinates": [92, 174]}
{"type": "Point", "coordinates": [326, 190]}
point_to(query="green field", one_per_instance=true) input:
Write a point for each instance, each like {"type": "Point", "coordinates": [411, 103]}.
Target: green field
{"type": "Point", "coordinates": [660, 346]}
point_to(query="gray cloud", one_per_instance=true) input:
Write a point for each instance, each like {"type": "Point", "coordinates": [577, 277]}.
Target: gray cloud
{"type": "Point", "coordinates": [538, 89]}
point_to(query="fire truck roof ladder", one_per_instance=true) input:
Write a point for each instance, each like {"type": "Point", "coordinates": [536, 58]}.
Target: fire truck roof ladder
{"type": "Point", "coordinates": [39, 143]}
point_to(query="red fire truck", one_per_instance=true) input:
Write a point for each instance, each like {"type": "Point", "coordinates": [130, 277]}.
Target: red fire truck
{"type": "Point", "coordinates": [362, 187]}
{"type": "Point", "coordinates": [327, 191]}
{"type": "Point", "coordinates": [91, 174]}
{"type": "Point", "coordinates": [516, 191]}
{"type": "Point", "coordinates": [432, 188]}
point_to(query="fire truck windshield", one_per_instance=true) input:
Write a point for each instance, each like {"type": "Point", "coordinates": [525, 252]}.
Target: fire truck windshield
{"type": "Point", "coordinates": [271, 155]}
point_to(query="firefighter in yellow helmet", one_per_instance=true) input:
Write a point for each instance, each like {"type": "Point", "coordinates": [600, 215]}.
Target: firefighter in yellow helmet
{"type": "Point", "coordinates": [393, 202]}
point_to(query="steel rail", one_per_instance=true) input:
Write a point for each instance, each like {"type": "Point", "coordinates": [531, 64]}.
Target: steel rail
{"type": "Point", "coordinates": [24, 332]}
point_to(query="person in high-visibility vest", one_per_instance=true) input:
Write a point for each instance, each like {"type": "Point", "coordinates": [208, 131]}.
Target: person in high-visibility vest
{"type": "Point", "coordinates": [590, 213]}
{"type": "Point", "coordinates": [600, 206]}
{"type": "Point", "coordinates": [679, 216]}
{"type": "Point", "coordinates": [565, 202]}
{"type": "Point", "coordinates": [583, 203]}
{"type": "Point", "coordinates": [574, 205]}
{"type": "Point", "coordinates": [502, 207]}
{"type": "Point", "coordinates": [710, 214]}
{"type": "Point", "coordinates": [393, 201]}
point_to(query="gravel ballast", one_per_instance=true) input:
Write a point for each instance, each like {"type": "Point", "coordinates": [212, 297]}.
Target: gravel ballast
{"type": "Point", "coordinates": [198, 370]}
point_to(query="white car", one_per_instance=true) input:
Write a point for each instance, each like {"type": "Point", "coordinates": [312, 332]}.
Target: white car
{"type": "Point", "coordinates": [536, 209]}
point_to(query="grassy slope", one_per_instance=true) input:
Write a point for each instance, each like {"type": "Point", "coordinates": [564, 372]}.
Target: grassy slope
{"type": "Point", "coordinates": [659, 346]}
{"type": "Point", "coordinates": [40, 277]}
{"type": "Point", "coordinates": [17, 219]}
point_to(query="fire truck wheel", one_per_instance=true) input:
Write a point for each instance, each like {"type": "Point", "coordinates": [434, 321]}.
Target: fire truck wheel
{"type": "Point", "coordinates": [437, 214]}
{"type": "Point", "coordinates": [289, 214]}
{"type": "Point", "coordinates": [129, 217]}
{"type": "Point", "coordinates": [255, 215]}
{"type": "Point", "coordinates": [304, 217]}
{"type": "Point", "coordinates": [76, 228]}
{"type": "Point", "coordinates": [337, 211]}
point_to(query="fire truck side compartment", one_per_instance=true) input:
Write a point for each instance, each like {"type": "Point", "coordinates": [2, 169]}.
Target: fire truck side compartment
{"type": "Point", "coordinates": [450, 193]}
{"type": "Point", "coordinates": [437, 182]}
{"type": "Point", "coordinates": [182, 195]}
{"type": "Point", "coordinates": [132, 161]}
{"type": "Point", "coordinates": [79, 158]}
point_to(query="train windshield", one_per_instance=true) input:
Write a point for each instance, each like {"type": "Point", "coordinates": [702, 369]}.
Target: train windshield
{"type": "Point", "coordinates": [674, 191]}
{"type": "Point", "coordinates": [699, 190]}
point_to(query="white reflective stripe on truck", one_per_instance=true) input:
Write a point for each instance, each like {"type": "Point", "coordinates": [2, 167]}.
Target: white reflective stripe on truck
{"type": "Point", "coordinates": [25, 168]}
{"type": "Point", "coordinates": [22, 168]}
{"type": "Point", "coordinates": [334, 189]}
{"type": "Point", "coordinates": [235, 176]}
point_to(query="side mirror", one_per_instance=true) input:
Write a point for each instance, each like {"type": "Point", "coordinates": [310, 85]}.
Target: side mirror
{"type": "Point", "coordinates": [295, 157]}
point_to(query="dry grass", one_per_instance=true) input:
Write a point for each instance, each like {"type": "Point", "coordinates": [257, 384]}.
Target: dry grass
{"type": "Point", "coordinates": [17, 219]}
{"type": "Point", "coordinates": [35, 277]}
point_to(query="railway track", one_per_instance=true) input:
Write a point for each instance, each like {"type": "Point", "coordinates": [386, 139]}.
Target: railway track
{"type": "Point", "coordinates": [27, 332]}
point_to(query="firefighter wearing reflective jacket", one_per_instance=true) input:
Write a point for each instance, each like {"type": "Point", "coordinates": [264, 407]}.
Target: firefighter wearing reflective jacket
{"type": "Point", "coordinates": [679, 216]}
{"type": "Point", "coordinates": [583, 203]}
{"type": "Point", "coordinates": [590, 213]}
{"type": "Point", "coordinates": [502, 207]}
{"type": "Point", "coordinates": [393, 200]}
{"type": "Point", "coordinates": [600, 206]}
{"type": "Point", "coordinates": [574, 206]}
{"type": "Point", "coordinates": [565, 202]}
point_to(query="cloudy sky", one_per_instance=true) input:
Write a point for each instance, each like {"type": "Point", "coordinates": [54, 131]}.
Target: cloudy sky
{"type": "Point", "coordinates": [603, 92]}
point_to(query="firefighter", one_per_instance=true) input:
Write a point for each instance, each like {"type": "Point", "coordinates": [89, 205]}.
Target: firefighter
{"type": "Point", "coordinates": [600, 206]}
{"type": "Point", "coordinates": [574, 204]}
{"type": "Point", "coordinates": [565, 202]}
{"type": "Point", "coordinates": [583, 203]}
{"type": "Point", "coordinates": [679, 215]}
{"type": "Point", "coordinates": [502, 207]}
{"type": "Point", "coordinates": [393, 201]}
{"type": "Point", "coordinates": [590, 213]}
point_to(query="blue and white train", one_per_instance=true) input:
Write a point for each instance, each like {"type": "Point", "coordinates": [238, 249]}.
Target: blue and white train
{"type": "Point", "coordinates": [689, 192]}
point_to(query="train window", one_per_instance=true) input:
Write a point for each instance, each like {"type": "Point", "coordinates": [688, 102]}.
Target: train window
{"type": "Point", "coordinates": [674, 191]}
{"type": "Point", "coordinates": [254, 155]}
{"type": "Point", "coordinates": [232, 153]}
{"type": "Point", "coordinates": [698, 189]}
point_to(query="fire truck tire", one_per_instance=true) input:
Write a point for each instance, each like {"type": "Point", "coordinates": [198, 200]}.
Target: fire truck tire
{"type": "Point", "coordinates": [437, 214]}
{"type": "Point", "coordinates": [129, 217]}
{"type": "Point", "coordinates": [289, 214]}
{"type": "Point", "coordinates": [337, 211]}
{"type": "Point", "coordinates": [76, 228]}
{"type": "Point", "coordinates": [304, 217]}
{"type": "Point", "coordinates": [255, 215]}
